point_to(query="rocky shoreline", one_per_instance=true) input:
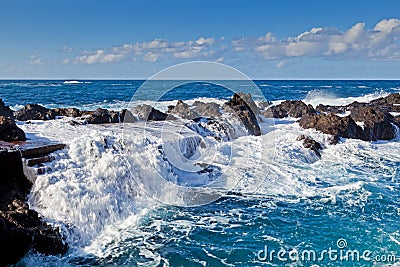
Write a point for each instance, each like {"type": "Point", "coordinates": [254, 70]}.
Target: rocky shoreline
{"type": "Point", "coordinates": [21, 228]}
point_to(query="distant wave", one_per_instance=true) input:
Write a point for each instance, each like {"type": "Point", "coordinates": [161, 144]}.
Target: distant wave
{"type": "Point", "coordinates": [324, 97]}
{"type": "Point", "coordinates": [72, 82]}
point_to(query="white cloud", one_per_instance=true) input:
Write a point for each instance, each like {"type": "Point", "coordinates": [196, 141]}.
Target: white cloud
{"type": "Point", "coordinates": [382, 42]}
{"type": "Point", "coordinates": [34, 60]}
{"type": "Point", "coordinates": [152, 51]}
{"type": "Point", "coordinates": [379, 43]}
{"type": "Point", "coordinates": [100, 56]}
{"type": "Point", "coordinates": [151, 57]}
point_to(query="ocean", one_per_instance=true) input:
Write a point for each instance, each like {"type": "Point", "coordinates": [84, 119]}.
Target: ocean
{"type": "Point", "coordinates": [278, 203]}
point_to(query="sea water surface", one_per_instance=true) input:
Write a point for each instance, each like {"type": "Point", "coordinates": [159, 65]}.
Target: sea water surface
{"type": "Point", "coordinates": [348, 200]}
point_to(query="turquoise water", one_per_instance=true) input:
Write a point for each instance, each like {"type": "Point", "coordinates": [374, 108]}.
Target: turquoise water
{"type": "Point", "coordinates": [347, 200]}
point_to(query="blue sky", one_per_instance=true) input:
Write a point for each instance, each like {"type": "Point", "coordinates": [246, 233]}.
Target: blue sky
{"type": "Point", "coordinates": [264, 39]}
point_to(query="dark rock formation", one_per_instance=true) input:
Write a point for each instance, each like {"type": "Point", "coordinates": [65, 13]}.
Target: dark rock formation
{"type": "Point", "coordinates": [21, 229]}
{"type": "Point", "coordinates": [101, 115]}
{"type": "Point", "coordinates": [9, 131]}
{"type": "Point", "coordinates": [148, 113]}
{"type": "Point", "coordinates": [330, 109]}
{"type": "Point", "coordinates": [377, 123]}
{"type": "Point", "coordinates": [391, 99]}
{"type": "Point", "coordinates": [34, 112]}
{"type": "Point", "coordinates": [68, 112]}
{"type": "Point", "coordinates": [183, 110]}
{"type": "Point", "coordinates": [289, 108]}
{"type": "Point", "coordinates": [243, 105]}
{"type": "Point", "coordinates": [5, 110]}
{"type": "Point", "coordinates": [311, 144]}
{"type": "Point", "coordinates": [207, 109]}
{"type": "Point", "coordinates": [333, 125]}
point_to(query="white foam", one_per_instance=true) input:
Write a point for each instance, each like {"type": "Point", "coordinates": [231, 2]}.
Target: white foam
{"type": "Point", "coordinates": [316, 97]}
{"type": "Point", "coordinates": [72, 82]}
{"type": "Point", "coordinates": [94, 195]}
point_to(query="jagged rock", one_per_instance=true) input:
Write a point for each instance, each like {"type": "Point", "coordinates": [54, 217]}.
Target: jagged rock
{"type": "Point", "coordinates": [211, 127]}
{"type": "Point", "coordinates": [9, 131]}
{"type": "Point", "coordinates": [377, 124]}
{"type": "Point", "coordinates": [5, 110]}
{"type": "Point", "coordinates": [183, 110]}
{"type": "Point", "coordinates": [34, 112]}
{"type": "Point", "coordinates": [207, 109]}
{"type": "Point", "coordinates": [391, 99]}
{"type": "Point", "coordinates": [148, 113]}
{"type": "Point", "coordinates": [101, 115]}
{"type": "Point", "coordinates": [21, 229]}
{"type": "Point", "coordinates": [333, 125]}
{"type": "Point", "coordinates": [289, 108]}
{"type": "Point", "coordinates": [241, 104]}
{"type": "Point", "coordinates": [311, 144]}
{"type": "Point", "coordinates": [330, 109]}
{"type": "Point", "coordinates": [68, 112]}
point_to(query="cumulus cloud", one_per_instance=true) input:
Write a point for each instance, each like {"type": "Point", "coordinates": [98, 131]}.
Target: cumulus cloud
{"type": "Point", "coordinates": [379, 43]}
{"type": "Point", "coordinates": [151, 51]}
{"type": "Point", "coordinates": [382, 42]}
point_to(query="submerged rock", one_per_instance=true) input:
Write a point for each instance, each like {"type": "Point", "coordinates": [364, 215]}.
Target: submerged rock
{"type": "Point", "coordinates": [21, 228]}
{"type": "Point", "coordinates": [244, 107]}
{"type": "Point", "coordinates": [311, 144]}
{"type": "Point", "coordinates": [211, 127]}
{"type": "Point", "coordinates": [9, 131]}
{"type": "Point", "coordinates": [34, 112]}
{"type": "Point", "coordinates": [289, 108]}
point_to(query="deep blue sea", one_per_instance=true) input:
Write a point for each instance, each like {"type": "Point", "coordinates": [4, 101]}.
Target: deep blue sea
{"type": "Point", "coordinates": [346, 203]}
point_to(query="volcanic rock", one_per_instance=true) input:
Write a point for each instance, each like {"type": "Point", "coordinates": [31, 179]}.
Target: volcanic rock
{"type": "Point", "coordinates": [9, 131]}
{"type": "Point", "coordinates": [289, 108]}
{"type": "Point", "coordinates": [244, 107]}
{"type": "Point", "coordinates": [333, 125]}
{"type": "Point", "coordinates": [34, 112]}
{"type": "Point", "coordinates": [5, 110]}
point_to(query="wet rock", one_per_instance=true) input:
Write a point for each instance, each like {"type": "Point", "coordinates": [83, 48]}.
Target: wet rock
{"type": "Point", "coordinates": [241, 104]}
{"type": "Point", "coordinates": [41, 150]}
{"type": "Point", "coordinates": [311, 144]}
{"type": "Point", "coordinates": [34, 112]}
{"type": "Point", "coordinates": [9, 131]}
{"type": "Point", "coordinates": [334, 125]}
{"type": "Point", "coordinates": [207, 109]}
{"type": "Point", "coordinates": [5, 110]}
{"type": "Point", "coordinates": [183, 110]}
{"type": "Point", "coordinates": [68, 112]}
{"type": "Point", "coordinates": [392, 99]}
{"type": "Point", "coordinates": [378, 125]}
{"type": "Point", "coordinates": [289, 108]}
{"type": "Point", "coordinates": [329, 109]}
{"type": "Point", "coordinates": [211, 127]}
{"type": "Point", "coordinates": [148, 113]}
{"type": "Point", "coordinates": [101, 115]}
{"type": "Point", "coordinates": [21, 229]}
